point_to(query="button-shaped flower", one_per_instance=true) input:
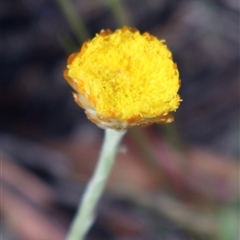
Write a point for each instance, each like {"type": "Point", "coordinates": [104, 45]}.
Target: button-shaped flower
{"type": "Point", "coordinates": [124, 78]}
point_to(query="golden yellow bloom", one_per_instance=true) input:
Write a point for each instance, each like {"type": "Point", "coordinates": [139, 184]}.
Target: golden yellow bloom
{"type": "Point", "coordinates": [124, 78]}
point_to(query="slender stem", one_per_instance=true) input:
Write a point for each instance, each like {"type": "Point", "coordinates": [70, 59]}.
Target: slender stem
{"type": "Point", "coordinates": [118, 11]}
{"type": "Point", "coordinates": [74, 20]}
{"type": "Point", "coordinates": [86, 211]}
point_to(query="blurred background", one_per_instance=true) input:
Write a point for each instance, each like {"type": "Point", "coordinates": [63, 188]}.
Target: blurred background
{"type": "Point", "coordinates": [174, 182]}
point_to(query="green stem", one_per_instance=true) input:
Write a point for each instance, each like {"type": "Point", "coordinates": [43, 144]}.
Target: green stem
{"type": "Point", "coordinates": [74, 20]}
{"type": "Point", "coordinates": [118, 12]}
{"type": "Point", "coordinates": [86, 211]}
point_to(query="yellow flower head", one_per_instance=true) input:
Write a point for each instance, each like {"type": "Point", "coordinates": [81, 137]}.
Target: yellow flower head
{"type": "Point", "coordinates": [124, 78]}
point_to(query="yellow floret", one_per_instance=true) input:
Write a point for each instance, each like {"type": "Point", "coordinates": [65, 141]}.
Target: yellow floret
{"type": "Point", "coordinates": [126, 75]}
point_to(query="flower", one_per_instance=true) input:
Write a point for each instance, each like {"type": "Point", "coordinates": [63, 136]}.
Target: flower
{"type": "Point", "coordinates": [124, 78]}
